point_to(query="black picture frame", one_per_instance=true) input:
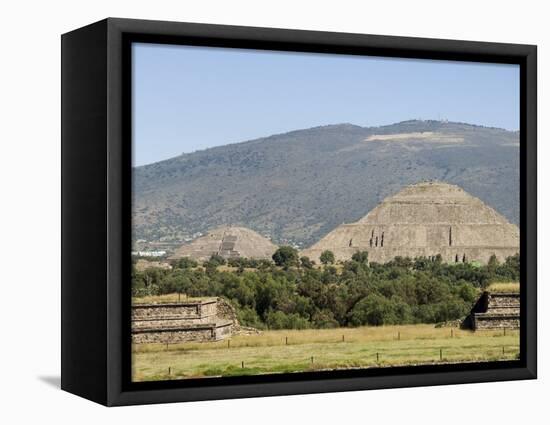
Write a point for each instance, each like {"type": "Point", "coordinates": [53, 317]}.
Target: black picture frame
{"type": "Point", "coordinates": [96, 183]}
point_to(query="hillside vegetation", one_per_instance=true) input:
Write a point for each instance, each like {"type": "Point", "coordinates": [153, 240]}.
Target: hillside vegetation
{"type": "Point", "coordinates": [296, 187]}
{"type": "Point", "coordinates": [294, 294]}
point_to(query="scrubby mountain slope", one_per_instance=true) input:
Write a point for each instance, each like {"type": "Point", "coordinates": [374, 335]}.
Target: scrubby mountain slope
{"type": "Point", "coordinates": [297, 186]}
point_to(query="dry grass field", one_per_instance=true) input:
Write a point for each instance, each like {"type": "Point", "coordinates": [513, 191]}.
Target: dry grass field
{"type": "Point", "coordinates": [288, 351]}
{"type": "Point", "coordinates": [511, 287]}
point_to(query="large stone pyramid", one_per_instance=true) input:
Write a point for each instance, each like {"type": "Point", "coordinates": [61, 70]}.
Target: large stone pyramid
{"type": "Point", "coordinates": [228, 242]}
{"type": "Point", "coordinates": [425, 219]}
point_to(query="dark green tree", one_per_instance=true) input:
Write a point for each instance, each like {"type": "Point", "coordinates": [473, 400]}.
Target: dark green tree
{"type": "Point", "coordinates": [184, 263]}
{"type": "Point", "coordinates": [361, 257]}
{"type": "Point", "coordinates": [306, 263]}
{"type": "Point", "coordinates": [327, 257]}
{"type": "Point", "coordinates": [286, 256]}
{"type": "Point", "coordinates": [217, 260]}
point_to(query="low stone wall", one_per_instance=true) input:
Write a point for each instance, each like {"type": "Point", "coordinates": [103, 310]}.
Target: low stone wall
{"type": "Point", "coordinates": [505, 303]}
{"type": "Point", "coordinates": [191, 310]}
{"type": "Point", "coordinates": [495, 321]}
{"type": "Point", "coordinates": [495, 311]}
{"type": "Point", "coordinates": [171, 323]}
{"type": "Point", "coordinates": [205, 333]}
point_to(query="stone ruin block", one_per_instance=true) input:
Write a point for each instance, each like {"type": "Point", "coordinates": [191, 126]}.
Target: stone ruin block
{"type": "Point", "coordinates": [170, 323]}
{"type": "Point", "coordinates": [494, 311]}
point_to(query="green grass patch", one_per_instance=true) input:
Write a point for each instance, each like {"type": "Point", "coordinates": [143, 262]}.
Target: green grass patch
{"type": "Point", "coordinates": [313, 350]}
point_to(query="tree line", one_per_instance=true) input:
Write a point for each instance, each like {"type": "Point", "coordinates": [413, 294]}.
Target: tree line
{"type": "Point", "coordinates": [290, 292]}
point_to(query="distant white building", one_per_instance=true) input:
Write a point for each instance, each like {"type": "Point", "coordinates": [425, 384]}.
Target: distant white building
{"type": "Point", "coordinates": [149, 253]}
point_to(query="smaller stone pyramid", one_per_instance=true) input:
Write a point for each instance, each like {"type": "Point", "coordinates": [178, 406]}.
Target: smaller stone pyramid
{"type": "Point", "coordinates": [228, 242]}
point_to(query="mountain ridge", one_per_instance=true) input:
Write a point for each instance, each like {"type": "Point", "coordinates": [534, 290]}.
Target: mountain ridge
{"type": "Point", "coordinates": [343, 124]}
{"type": "Point", "coordinates": [296, 186]}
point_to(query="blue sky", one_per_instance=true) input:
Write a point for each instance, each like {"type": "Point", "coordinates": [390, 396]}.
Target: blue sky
{"type": "Point", "coordinates": [190, 98]}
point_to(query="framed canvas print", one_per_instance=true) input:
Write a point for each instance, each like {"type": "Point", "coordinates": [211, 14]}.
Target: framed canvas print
{"type": "Point", "coordinates": [253, 212]}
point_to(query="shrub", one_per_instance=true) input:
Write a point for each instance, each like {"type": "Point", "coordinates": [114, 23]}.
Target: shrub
{"type": "Point", "coordinates": [248, 317]}
{"type": "Point", "coordinates": [216, 260]}
{"type": "Point", "coordinates": [327, 257]}
{"type": "Point", "coordinates": [184, 263]}
{"type": "Point", "coordinates": [286, 256]}
{"type": "Point", "coordinates": [373, 310]}
{"type": "Point", "coordinates": [323, 319]}
{"type": "Point", "coordinates": [361, 257]}
{"type": "Point", "coordinates": [306, 263]}
{"type": "Point", "coordinates": [280, 320]}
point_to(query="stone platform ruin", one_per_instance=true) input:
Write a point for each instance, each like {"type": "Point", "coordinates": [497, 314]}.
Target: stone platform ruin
{"type": "Point", "coordinates": [229, 242]}
{"type": "Point", "coordinates": [169, 323]}
{"type": "Point", "coordinates": [494, 311]}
